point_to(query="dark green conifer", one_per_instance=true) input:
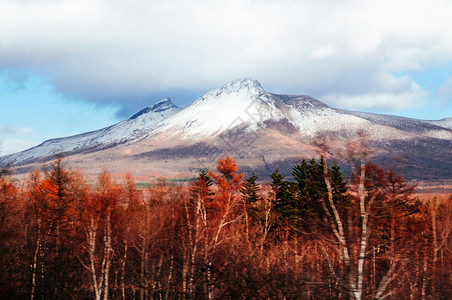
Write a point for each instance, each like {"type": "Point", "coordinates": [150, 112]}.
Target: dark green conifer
{"type": "Point", "coordinates": [311, 186]}
{"type": "Point", "coordinates": [285, 200]}
{"type": "Point", "coordinates": [202, 186]}
{"type": "Point", "coordinates": [250, 190]}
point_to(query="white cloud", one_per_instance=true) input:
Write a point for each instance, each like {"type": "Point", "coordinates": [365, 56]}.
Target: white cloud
{"type": "Point", "coordinates": [323, 51]}
{"type": "Point", "coordinates": [104, 50]}
{"type": "Point", "coordinates": [10, 130]}
{"type": "Point", "coordinates": [10, 142]}
{"type": "Point", "coordinates": [388, 94]}
{"type": "Point", "coordinates": [11, 146]}
{"type": "Point", "coordinates": [378, 101]}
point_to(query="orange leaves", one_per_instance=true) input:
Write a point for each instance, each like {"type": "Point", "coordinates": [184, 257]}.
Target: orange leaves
{"type": "Point", "coordinates": [141, 237]}
{"type": "Point", "coordinates": [52, 196]}
{"type": "Point", "coordinates": [8, 193]}
{"type": "Point", "coordinates": [227, 180]}
{"type": "Point", "coordinates": [7, 190]}
{"type": "Point", "coordinates": [131, 195]}
{"type": "Point", "coordinates": [104, 198]}
{"type": "Point", "coordinates": [49, 188]}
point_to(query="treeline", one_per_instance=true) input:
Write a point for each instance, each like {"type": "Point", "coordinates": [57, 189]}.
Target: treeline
{"type": "Point", "coordinates": [224, 236]}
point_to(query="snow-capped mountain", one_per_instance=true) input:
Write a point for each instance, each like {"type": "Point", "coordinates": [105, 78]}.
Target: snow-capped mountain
{"type": "Point", "coordinates": [241, 102]}
{"type": "Point", "coordinates": [263, 130]}
{"type": "Point", "coordinates": [246, 104]}
{"type": "Point", "coordinates": [133, 129]}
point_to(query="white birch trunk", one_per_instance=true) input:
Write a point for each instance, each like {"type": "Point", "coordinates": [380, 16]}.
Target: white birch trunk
{"type": "Point", "coordinates": [91, 233]}
{"type": "Point", "coordinates": [194, 239]}
{"type": "Point", "coordinates": [143, 263]}
{"type": "Point", "coordinates": [107, 257]}
{"type": "Point", "coordinates": [123, 270]}
{"type": "Point", "coordinates": [337, 227]}
{"type": "Point", "coordinates": [35, 261]}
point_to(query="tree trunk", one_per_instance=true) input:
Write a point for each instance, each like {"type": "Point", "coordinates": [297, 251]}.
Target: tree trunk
{"type": "Point", "coordinates": [35, 261]}
{"type": "Point", "coordinates": [338, 230]}
{"type": "Point", "coordinates": [123, 270]}
{"type": "Point", "coordinates": [194, 251]}
{"type": "Point", "coordinates": [91, 233]}
{"type": "Point", "coordinates": [143, 265]}
{"type": "Point", "coordinates": [424, 278]}
{"type": "Point", "coordinates": [107, 257]}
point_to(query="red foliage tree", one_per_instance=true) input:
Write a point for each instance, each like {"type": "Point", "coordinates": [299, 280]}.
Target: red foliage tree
{"type": "Point", "coordinates": [228, 182]}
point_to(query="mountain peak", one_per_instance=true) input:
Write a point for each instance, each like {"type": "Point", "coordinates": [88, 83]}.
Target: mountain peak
{"type": "Point", "coordinates": [244, 85]}
{"type": "Point", "coordinates": [160, 106]}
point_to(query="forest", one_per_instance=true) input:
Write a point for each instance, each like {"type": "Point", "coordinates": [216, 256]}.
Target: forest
{"type": "Point", "coordinates": [311, 234]}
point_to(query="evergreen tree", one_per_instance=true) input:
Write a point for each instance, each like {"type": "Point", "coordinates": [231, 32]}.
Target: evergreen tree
{"type": "Point", "coordinates": [311, 185]}
{"type": "Point", "coordinates": [285, 198]}
{"type": "Point", "coordinates": [250, 190]}
{"type": "Point", "coordinates": [56, 207]}
{"type": "Point", "coordinates": [201, 188]}
{"type": "Point", "coordinates": [339, 186]}
{"type": "Point", "coordinates": [298, 202]}
{"type": "Point", "coordinates": [204, 177]}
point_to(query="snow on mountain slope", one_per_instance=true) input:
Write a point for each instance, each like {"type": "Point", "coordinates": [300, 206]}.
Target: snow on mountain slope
{"type": "Point", "coordinates": [402, 123]}
{"type": "Point", "coordinates": [134, 128]}
{"type": "Point", "coordinates": [241, 102]}
{"type": "Point", "coordinates": [312, 117]}
{"type": "Point", "coordinates": [446, 122]}
{"type": "Point", "coordinates": [435, 129]}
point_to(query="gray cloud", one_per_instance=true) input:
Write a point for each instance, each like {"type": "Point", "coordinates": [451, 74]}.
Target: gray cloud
{"type": "Point", "coordinates": [345, 52]}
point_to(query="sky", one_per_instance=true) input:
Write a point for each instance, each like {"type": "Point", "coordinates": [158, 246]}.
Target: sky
{"type": "Point", "coordinates": [72, 66]}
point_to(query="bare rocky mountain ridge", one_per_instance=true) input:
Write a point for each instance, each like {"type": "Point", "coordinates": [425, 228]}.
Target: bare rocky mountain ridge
{"type": "Point", "coordinates": [260, 130]}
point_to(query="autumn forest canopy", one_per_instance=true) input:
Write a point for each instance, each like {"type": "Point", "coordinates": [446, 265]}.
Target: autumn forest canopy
{"type": "Point", "coordinates": [311, 234]}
